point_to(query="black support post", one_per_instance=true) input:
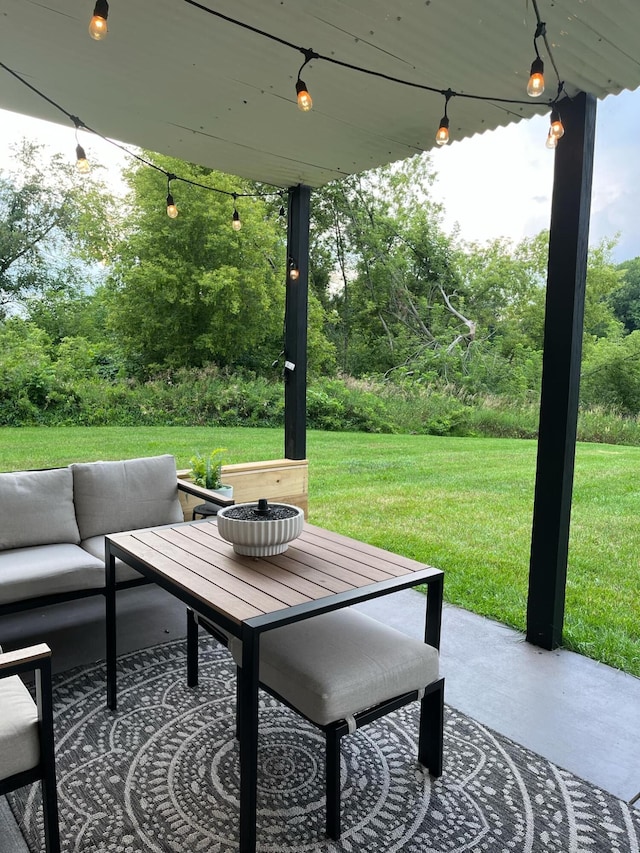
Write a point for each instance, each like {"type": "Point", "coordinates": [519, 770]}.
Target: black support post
{"type": "Point", "coordinates": [564, 312]}
{"type": "Point", "coordinates": [295, 337]}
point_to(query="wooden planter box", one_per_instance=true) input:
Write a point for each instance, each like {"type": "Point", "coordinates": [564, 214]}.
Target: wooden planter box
{"type": "Point", "coordinates": [278, 480]}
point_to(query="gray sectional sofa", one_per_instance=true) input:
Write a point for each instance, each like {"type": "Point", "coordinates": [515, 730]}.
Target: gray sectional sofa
{"type": "Point", "coordinates": [53, 523]}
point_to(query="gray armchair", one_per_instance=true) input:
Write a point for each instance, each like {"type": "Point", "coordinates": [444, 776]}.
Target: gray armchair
{"type": "Point", "coordinates": [26, 732]}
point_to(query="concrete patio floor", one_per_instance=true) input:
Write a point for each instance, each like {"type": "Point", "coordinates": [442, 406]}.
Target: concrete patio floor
{"type": "Point", "coordinates": [580, 714]}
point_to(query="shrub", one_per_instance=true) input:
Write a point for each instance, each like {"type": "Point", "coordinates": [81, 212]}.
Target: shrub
{"type": "Point", "coordinates": [334, 405]}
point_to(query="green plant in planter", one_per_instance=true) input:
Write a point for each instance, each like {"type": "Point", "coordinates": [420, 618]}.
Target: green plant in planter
{"type": "Point", "coordinates": [206, 471]}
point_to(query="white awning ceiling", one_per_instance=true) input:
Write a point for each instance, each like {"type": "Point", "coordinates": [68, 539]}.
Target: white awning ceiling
{"type": "Point", "coordinates": [172, 78]}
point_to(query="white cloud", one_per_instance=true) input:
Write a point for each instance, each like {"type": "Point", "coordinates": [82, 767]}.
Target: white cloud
{"type": "Point", "coordinates": [500, 183]}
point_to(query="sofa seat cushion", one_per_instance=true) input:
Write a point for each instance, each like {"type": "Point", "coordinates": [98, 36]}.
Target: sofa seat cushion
{"type": "Point", "coordinates": [46, 570]}
{"type": "Point", "coordinates": [333, 666]}
{"type": "Point", "coordinates": [125, 495]}
{"type": "Point", "coordinates": [19, 734]}
{"type": "Point", "coordinates": [36, 508]}
{"type": "Point", "coordinates": [95, 546]}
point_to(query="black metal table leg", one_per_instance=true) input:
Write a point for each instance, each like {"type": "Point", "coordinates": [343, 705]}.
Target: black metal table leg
{"type": "Point", "coordinates": [47, 749]}
{"type": "Point", "coordinates": [110, 619]}
{"type": "Point", "coordinates": [248, 725]}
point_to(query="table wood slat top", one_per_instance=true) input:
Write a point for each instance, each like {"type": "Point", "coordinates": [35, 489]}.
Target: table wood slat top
{"type": "Point", "coordinates": [318, 564]}
{"type": "Point", "coordinates": [392, 563]}
{"type": "Point", "coordinates": [183, 578]}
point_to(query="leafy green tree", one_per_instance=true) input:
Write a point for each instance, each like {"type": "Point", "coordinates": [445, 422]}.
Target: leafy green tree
{"type": "Point", "coordinates": [625, 300]}
{"type": "Point", "coordinates": [602, 280]}
{"type": "Point", "coordinates": [26, 371]}
{"type": "Point", "coordinates": [504, 288]}
{"type": "Point", "coordinates": [393, 288]}
{"type": "Point", "coordinates": [611, 374]}
{"type": "Point", "coordinates": [191, 290]}
{"type": "Point", "coordinates": [49, 218]}
{"type": "Point", "coordinates": [68, 310]}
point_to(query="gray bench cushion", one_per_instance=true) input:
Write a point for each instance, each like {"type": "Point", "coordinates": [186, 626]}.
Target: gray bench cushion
{"type": "Point", "coordinates": [332, 666]}
{"type": "Point", "coordinates": [125, 495]}
{"type": "Point", "coordinates": [19, 731]}
{"type": "Point", "coordinates": [36, 508]}
{"type": "Point", "coordinates": [95, 546]}
{"type": "Point", "coordinates": [47, 569]}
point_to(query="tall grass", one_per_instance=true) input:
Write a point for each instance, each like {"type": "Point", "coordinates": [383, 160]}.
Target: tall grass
{"type": "Point", "coordinates": [463, 504]}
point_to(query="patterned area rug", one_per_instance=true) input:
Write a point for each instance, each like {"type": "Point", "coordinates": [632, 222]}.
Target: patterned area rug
{"type": "Point", "coordinates": [162, 775]}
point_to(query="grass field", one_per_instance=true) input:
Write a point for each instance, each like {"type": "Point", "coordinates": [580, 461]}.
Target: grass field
{"type": "Point", "coordinates": [462, 504]}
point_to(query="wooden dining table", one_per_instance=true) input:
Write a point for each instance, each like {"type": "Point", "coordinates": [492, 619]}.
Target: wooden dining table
{"type": "Point", "coordinates": [319, 572]}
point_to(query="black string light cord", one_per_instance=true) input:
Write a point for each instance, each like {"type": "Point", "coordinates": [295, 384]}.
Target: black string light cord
{"type": "Point", "coordinates": [310, 54]}
{"type": "Point", "coordinates": [79, 124]}
{"type": "Point", "coordinates": [541, 27]}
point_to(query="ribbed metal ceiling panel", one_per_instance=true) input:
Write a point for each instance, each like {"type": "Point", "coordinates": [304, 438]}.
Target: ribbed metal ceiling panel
{"type": "Point", "coordinates": [172, 78]}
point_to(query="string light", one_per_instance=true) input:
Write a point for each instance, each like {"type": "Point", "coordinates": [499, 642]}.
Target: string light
{"type": "Point", "coordinates": [98, 25]}
{"type": "Point", "coordinates": [236, 222]}
{"type": "Point", "coordinates": [172, 210]}
{"type": "Point", "coordinates": [82, 164]}
{"type": "Point", "coordinates": [294, 272]}
{"type": "Point", "coordinates": [442, 136]}
{"type": "Point", "coordinates": [305, 101]}
{"type": "Point", "coordinates": [556, 129]}
{"type": "Point", "coordinates": [535, 86]}
{"type": "Point", "coordinates": [98, 29]}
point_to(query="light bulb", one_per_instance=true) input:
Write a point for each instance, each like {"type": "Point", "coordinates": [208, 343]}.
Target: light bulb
{"type": "Point", "coordinates": [236, 222]}
{"type": "Point", "coordinates": [552, 141]}
{"type": "Point", "coordinates": [535, 86]}
{"type": "Point", "coordinates": [294, 272]}
{"type": "Point", "coordinates": [82, 164]}
{"type": "Point", "coordinates": [556, 130]}
{"type": "Point", "coordinates": [98, 25]}
{"type": "Point", "coordinates": [172, 210]}
{"type": "Point", "coordinates": [305, 101]}
{"type": "Point", "coordinates": [442, 136]}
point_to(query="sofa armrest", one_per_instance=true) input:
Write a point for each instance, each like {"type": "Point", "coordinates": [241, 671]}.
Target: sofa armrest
{"type": "Point", "coordinates": [204, 494]}
{"type": "Point", "coordinates": [24, 660]}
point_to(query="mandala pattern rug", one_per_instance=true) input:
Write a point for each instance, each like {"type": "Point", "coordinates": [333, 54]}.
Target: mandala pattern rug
{"type": "Point", "coordinates": [162, 775]}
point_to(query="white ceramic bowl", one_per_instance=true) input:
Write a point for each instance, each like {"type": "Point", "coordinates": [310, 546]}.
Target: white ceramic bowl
{"type": "Point", "coordinates": [261, 537]}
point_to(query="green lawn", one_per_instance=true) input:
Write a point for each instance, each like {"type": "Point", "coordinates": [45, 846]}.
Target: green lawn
{"type": "Point", "coordinates": [462, 504]}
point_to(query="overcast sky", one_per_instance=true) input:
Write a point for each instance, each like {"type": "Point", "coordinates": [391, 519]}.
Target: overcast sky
{"type": "Point", "coordinates": [500, 183]}
{"type": "Point", "coordinates": [497, 184]}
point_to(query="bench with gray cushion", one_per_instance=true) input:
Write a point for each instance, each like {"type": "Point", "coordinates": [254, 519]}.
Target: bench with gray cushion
{"type": "Point", "coordinates": [53, 523]}
{"type": "Point", "coordinates": [341, 670]}
{"type": "Point", "coordinates": [26, 732]}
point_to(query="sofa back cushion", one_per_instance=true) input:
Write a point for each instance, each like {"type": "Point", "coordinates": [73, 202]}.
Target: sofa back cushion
{"type": "Point", "coordinates": [125, 495]}
{"type": "Point", "coordinates": [36, 508]}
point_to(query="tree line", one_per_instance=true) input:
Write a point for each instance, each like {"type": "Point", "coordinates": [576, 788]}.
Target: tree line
{"type": "Point", "coordinates": [101, 295]}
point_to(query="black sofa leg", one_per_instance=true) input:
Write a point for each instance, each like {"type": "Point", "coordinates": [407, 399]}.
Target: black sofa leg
{"type": "Point", "coordinates": [430, 744]}
{"type": "Point", "coordinates": [192, 649]}
{"type": "Point", "coordinates": [332, 769]}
